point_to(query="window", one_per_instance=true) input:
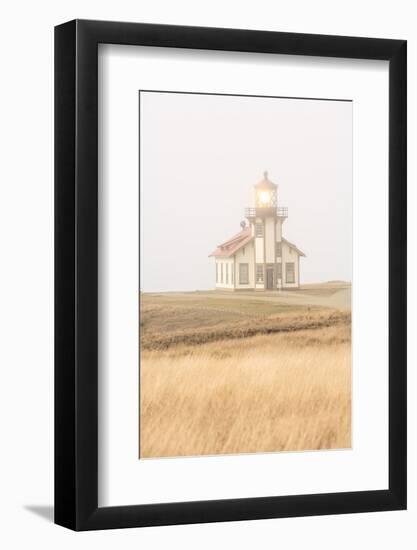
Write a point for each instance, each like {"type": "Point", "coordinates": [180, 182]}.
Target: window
{"type": "Point", "coordinates": [217, 272]}
{"type": "Point", "coordinates": [227, 274]}
{"type": "Point", "coordinates": [243, 274]}
{"type": "Point", "coordinates": [259, 273]}
{"type": "Point", "coordinates": [279, 271]}
{"type": "Point", "coordinates": [290, 272]}
{"type": "Point", "coordinates": [279, 250]}
{"type": "Point", "coordinates": [259, 229]}
{"type": "Point", "coordinates": [233, 274]}
{"type": "Point", "coordinates": [243, 251]}
{"type": "Point", "coordinates": [221, 273]}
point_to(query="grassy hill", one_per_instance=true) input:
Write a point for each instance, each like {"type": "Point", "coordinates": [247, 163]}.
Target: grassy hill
{"type": "Point", "coordinates": [198, 317]}
{"type": "Point", "coordinates": [245, 372]}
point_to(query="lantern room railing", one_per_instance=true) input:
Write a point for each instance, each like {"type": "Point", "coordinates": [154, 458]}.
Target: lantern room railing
{"type": "Point", "coordinates": [262, 211]}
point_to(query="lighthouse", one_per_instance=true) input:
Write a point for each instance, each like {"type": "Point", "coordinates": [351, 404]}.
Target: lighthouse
{"type": "Point", "coordinates": [265, 220]}
{"type": "Point", "coordinates": [259, 257]}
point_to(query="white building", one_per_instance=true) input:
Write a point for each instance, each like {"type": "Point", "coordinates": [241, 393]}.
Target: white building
{"type": "Point", "coordinates": [258, 257]}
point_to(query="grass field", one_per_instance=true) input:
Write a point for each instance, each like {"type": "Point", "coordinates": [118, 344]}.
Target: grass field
{"type": "Point", "coordinates": [245, 372]}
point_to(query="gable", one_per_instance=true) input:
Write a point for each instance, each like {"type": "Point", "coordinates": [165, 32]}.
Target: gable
{"type": "Point", "coordinates": [293, 247]}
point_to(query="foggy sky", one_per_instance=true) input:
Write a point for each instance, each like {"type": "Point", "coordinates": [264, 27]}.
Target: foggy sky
{"type": "Point", "coordinates": [200, 157]}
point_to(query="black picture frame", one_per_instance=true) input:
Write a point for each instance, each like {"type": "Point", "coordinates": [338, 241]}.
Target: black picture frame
{"type": "Point", "coordinates": [76, 273]}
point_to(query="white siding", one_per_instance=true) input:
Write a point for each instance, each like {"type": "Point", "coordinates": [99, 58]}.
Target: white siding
{"type": "Point", "coordinates": [279, 230]}
{"type": "Point", "coordinates": [245, 257]}
{"type": "Point", "coordinates": [289, 255]}
{"type": "Point", "coordinates": [269, 240]}
{"type": "Point", "coordinates": [280, 281]}
{"type": "Point", "coordinates": [259, 246]}
{"type": "Point", "coordinates": [221, 265]}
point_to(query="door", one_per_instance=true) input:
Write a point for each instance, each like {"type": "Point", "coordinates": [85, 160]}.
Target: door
{"type": "Point", "coordinates": [269, 278]}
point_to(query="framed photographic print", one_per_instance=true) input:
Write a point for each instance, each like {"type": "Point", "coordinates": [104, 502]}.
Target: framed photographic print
{"type": "Point", "coordinates": [230, 255]}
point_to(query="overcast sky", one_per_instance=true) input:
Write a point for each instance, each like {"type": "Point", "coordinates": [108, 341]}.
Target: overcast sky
{"type": "Point", "coordinates": [201, 156]}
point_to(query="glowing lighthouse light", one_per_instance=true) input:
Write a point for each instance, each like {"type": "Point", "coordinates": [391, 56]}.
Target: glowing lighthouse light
{"type": "Point", "coordinates": [266, 193]}
{"type": "Point", "coordinates": [265, 198]}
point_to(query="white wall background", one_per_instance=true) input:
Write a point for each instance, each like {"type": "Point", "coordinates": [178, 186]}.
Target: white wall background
{"type": "Point", "coordinates": [26, 289]}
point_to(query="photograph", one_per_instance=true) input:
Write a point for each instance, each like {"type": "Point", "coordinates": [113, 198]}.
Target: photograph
{"type": "Point", "coordinates": [245, 274]}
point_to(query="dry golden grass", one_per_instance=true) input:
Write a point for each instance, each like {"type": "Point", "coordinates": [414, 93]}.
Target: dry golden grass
{"type": "Point", "coordinates": [276, 391]}
{"type": "Point", "coordinates": [168, 325]}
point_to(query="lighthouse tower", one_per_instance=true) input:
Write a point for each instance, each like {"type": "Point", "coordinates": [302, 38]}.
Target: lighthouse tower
{"type": "Point", "coordinates": [265, 221]}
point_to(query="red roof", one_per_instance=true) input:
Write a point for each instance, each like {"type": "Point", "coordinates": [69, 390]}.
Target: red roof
{"type": "Point", "coordinates": [230, 247]}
